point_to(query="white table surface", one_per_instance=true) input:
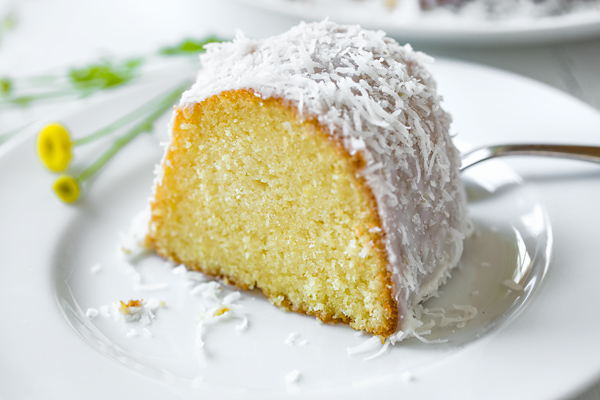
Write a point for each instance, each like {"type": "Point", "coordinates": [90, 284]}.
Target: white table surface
{"type": "Point", "coordinates": [54, 34]}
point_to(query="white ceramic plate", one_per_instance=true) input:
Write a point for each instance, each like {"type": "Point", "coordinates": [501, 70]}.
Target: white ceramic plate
{"type": "Point", "coordinates": [442, 27]}
{"type": "Point", "coordinates": [540, 343]}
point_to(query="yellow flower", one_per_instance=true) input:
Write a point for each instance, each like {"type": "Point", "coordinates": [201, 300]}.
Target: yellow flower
{"type": "Point", "coordinates": [67, 189]}
{"type": "Point", "coordinates": [54, 147]}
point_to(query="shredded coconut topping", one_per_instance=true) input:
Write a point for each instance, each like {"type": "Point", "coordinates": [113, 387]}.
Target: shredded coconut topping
{"type": "Point", "coordinates": [378, 99]}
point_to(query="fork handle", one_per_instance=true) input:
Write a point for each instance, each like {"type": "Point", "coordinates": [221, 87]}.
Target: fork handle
{"type": "Point", "coordinates": [583, 153]}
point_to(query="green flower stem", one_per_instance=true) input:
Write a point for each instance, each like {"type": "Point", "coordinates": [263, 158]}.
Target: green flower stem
{"type": "Point", "coordinates": [57, 81]}
{"type": "Point", "coordinates": [145, 125]}
{"type": "Point", "coordinates": [25, 100]}
{"type": "Point", "coordinates": [39, 79]}
{"type": "Point", "coordinates": [140, 112]}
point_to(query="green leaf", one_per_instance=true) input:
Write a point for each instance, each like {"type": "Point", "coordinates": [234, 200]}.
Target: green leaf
{"type": "Point", "coordinates": [105, 74]}
{"type": "Point", "coordinates": [189, 46]}
{"type": "Point", "coordinates": [23, 101]}
{"type": "Point", "coordinates": [6, 86]}
{"type": "Point", "coordinates": [9, 22]}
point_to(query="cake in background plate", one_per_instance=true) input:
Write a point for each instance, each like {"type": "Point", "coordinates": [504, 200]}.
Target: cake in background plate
{"type": "Point", "coordinates": [503, 8]}
{"type": "Point", "coordinates": [317, 167]}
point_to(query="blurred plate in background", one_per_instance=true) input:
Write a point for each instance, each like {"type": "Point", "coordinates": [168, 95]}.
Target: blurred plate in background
{"type": "Point", "coordinates": [408, 24]}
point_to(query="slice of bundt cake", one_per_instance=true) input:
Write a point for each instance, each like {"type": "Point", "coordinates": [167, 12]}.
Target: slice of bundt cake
{"type": "Point", "coordinates": [316, 166]}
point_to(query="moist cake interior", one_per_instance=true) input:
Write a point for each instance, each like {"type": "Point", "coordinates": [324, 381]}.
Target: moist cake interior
{"type": "Point", "coordinates": [255, 196]}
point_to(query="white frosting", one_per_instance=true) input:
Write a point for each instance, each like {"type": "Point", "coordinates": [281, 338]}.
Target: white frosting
{"type": "Point", "coordinates": [378, 98]}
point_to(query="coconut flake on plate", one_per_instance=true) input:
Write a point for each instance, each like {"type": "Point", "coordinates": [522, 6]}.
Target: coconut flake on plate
{"type": "Point", "coordinates": [91, 313]}
{"type": "Point", "coordinates": [512, 285]}
{"type": "Point", "coordinates": [292, 377]}
{"type": "Point", "coordinates": [94, 269]}
{"type": "Point", "coordinates": [293, 339]}
{"type": "Point", "coordinates": [132, 245]}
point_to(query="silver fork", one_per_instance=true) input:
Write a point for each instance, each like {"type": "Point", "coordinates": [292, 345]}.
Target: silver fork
{"type": "Point", "coordinates": [583, 153]}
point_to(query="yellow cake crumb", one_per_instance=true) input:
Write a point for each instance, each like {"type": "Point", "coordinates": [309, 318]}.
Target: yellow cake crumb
{"type": "Point", "coordinates": [125, 308]}
{"type": "Point", "coordinates": [220, 311]}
